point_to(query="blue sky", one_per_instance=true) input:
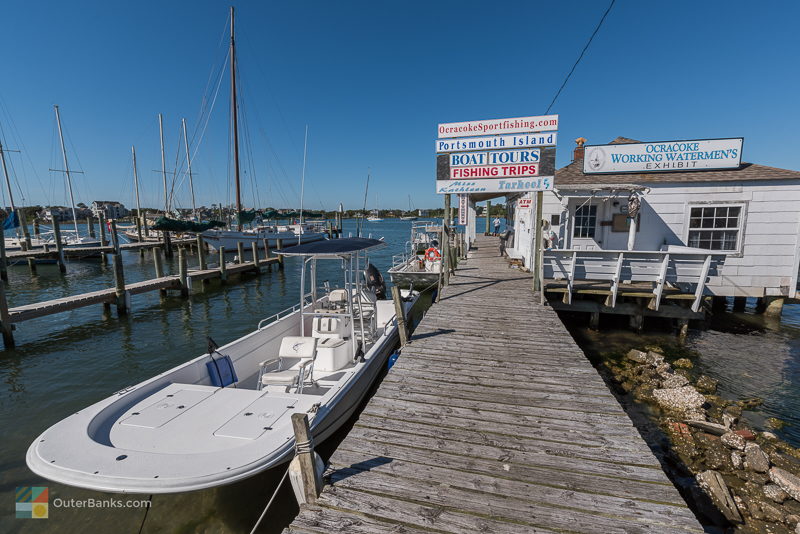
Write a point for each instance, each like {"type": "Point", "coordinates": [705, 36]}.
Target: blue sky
{"type": "Point", "coordinates": [372, 80]}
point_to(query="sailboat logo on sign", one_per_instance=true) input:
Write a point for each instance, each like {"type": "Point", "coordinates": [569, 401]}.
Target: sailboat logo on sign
{"type": "Point", "coordinates": [596, 158]}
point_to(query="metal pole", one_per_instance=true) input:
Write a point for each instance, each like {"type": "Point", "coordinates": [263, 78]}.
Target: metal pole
{"type": "Point", "coordinates": [69, 178]}
{"type": "Point", "coordinates": [302, 185]}
{"type": "Point", "coordinates": [537, 243]}
{"type": "Point", "coordinates": [189, 167]}
{"type": "Point", "coordinates": [136, 187]}
{"type": "Point", "coordinates": [163, 163]}
{"type": "Point", "coordinates": [235, 122]}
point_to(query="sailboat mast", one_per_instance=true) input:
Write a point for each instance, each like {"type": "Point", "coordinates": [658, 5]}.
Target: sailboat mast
{"type": "Point", "coordinates": [8, 182]}
{"type": "Point", "coordinates": [189, 167]}
{"type": "Point", "coordinates": [364, 211]}
{"type": "Point", "coordinates": [66, 170]}
{"type": "Point", "coordinates": [136, 183]}
{"type": "Point", "coordinates": [303, 184]}
{"type": "Point", "coordinates": [163, 164]}
{"type": "Point", "coordinates": [235, 121]}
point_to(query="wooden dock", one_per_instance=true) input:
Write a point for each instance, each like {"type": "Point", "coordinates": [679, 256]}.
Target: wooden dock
{"type": "Point", "coordinates": [493, 420]}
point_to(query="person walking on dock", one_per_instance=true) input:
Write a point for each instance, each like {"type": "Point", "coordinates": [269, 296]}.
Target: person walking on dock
{"type": "Point", "coordinates": [496, 223]}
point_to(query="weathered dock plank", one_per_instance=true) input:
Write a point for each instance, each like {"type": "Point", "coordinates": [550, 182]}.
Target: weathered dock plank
{"type": "Point", "coordinates": [493, 420]}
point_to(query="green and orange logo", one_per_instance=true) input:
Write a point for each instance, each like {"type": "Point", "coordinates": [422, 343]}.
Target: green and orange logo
{"type": "Point", "coordinates": [32, 502]}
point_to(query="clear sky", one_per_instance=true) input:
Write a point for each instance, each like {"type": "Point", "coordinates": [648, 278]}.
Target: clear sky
{"type": "Point", "coordinates": [372, 80]}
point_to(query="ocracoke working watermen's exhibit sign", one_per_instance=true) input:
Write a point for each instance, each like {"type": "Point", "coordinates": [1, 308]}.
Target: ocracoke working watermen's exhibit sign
{"type": "Point", "coordinates": [500, 163]}
{"type": "Point", "coordinates": [699, 154]}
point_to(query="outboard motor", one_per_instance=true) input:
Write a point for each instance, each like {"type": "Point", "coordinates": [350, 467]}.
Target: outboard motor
{"type": "Point", "coordinates": [375, 281]}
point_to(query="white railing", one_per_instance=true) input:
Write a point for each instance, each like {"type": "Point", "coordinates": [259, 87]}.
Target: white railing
{"type": "Point", "coordinates": [686, 270]}
{"type": "Point", "coordinates": [307, 299]}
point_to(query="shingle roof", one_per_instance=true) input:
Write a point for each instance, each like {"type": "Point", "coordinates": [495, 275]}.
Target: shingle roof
{"type": "Point", "coordinates": [572, 174]}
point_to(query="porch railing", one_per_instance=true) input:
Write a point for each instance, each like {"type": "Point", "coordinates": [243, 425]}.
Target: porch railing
{"type": "Point", "coordinates": [687, 271]}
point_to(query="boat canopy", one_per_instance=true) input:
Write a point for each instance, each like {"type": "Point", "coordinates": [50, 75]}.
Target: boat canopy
{"type": "Point", "coordinates": [334, 247]}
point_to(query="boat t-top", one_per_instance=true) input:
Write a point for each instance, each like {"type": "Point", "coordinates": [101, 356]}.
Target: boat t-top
{"type": "Point", "coordinates": [226, 415]}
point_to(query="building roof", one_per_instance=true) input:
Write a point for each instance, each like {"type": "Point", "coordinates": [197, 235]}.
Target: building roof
{"type": "Point", "coordinates": [572, 174]}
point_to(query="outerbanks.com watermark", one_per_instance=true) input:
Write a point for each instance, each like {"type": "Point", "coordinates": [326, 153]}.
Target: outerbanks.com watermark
{"type": "Point", "coordinates": [99, 503]}
{"type": "Point", "coordinates": [33, 502]}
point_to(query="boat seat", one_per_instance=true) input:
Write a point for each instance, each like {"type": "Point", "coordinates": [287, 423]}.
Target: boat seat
{"type": "Point", "coordinates": [330, 327]}
{"type": "Point", "coordinates": [338, 296]}
{"type": "Point", "coordinates": [295, 363]}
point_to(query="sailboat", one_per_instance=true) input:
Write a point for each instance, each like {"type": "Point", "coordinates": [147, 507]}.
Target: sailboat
{"type": "Point", "coordinates": [263, 235]}
{"type": "Point", "coordinates": [14, 220]}
{"type": "Point", "coordinates": [409, 217]}
{"type": "Point", "coordinates": [76, 240]}
{"type": "Point", "coordinates": [374, 215]}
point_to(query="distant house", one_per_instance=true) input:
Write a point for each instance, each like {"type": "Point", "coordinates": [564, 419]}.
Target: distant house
{"type": "Point", "coordinates": [747, 215]}
{"type": "Point", "coordinates": [109, 209]}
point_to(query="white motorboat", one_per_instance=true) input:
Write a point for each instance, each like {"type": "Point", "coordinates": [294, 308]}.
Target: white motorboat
{"type": "Point", "coordinates": [421, 263]}
{"type": "Point", "coordinates": [226, 415]}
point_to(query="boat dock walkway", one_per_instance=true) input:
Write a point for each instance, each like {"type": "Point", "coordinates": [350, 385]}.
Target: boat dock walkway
{"type": "Point", "coordinates": [493, 420]}
{"type": "Point", "coordinates": [50, 251]}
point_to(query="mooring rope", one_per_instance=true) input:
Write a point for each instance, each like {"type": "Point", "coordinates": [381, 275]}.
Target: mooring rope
{"type": "Point", "coordinates": [275, 494]}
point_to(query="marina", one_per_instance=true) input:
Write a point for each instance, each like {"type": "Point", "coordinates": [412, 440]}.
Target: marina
{"type": "Point", "coordinates": [239, 293]}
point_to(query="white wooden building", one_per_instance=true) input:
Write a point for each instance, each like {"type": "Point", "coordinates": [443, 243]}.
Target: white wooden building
{"type": "Point", "coordinates": [748, 217]}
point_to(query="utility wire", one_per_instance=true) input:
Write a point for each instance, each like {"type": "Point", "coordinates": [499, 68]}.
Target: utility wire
{"type": "Point", "coordinates": [585, 48]}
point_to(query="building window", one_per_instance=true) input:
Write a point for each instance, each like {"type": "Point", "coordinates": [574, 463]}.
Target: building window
{"type": "Point", "coordinates": [585, 221]}
{"type": "Point", "coordinates": [715, 227]}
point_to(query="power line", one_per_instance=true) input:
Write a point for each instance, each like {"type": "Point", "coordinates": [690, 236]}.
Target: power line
{"type": "Point", "coordinates": [585, 48]}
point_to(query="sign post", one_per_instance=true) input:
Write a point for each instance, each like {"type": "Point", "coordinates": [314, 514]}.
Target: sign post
{"type": "Point", "coordinates": [497, 156]}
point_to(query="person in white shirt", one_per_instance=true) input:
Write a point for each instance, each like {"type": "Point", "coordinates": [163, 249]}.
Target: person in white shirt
{"type": "Point", "coordinates": [496, 223]}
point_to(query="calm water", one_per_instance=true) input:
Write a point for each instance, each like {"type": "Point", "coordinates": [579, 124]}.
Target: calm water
{"type": "Point", "coordinates": [65, 362]}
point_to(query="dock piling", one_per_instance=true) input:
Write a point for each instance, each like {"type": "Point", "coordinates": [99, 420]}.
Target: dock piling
{"type": "Point", "coordinates": [201, 253]}
{"type": "Point", "coordinates": [90, 225]}
{"type": "Point", "coordinates": [402, 327]}
{"type": "Point", "coordinates": [159, 266]}
{"type": "Point", "coordinates": [240, 252]}
{"type": "Point", "coordinates": [254, 246]}
{"type": "Point", "coordinates": [119, 286]}
{"type": "Point", "coordinates": [167, 244]}
{"type": "Point", "coordinates": [139, 228]}
{"type": "Point", "coordinates": [278, 248]}
{"type": "Point", "coordinates": [114, 236]}
{"type": "Point", "coordinates": [5, 323]}
{"type": "Point", "coordinates": [119, 273]}
{"type": "Point", "coordinates": [303, 470]}
{"type": "Point", "coordinates": [183, 272]}
{"type": "Point", "coordinates": [488, 209]}
{"type": "Point", "coordinates": [36, 230]}
{"type": "Point", "coordinates": [3, 261]}
{"type": "Point", "coordinates": [59, 246]}
{"type": "Point", "coordinates": [24, 224]}
{"type": "Point", "coordinates": [267, 254]}
{"type": "Point", "coordinates": [103, 240]}
{"type": "Point", "coordinates": [223, 273]}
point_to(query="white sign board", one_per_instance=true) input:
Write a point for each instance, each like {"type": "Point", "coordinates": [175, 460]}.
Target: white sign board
{"type": "Point", "coordinates": [495, 157]}
{"type": "Point", "coordinates": [544, 123]}
{"type": "Point", "coordinates": [665, 156]}
{"type": "Point", "coordinates": [495, 185]}
{"type": "Point", "coordinates": [462, 209]}
{"type": "Point", "coordinates": [495, 171]}
{"type": "Point", "coordinates": [496, 142]}
{"type": "Point", "coordinates": [524, 203]}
